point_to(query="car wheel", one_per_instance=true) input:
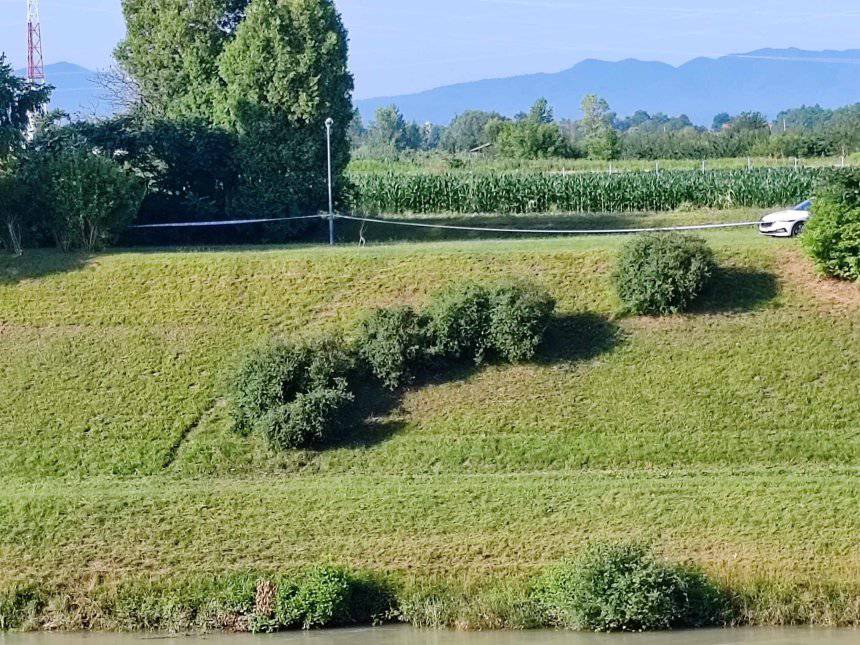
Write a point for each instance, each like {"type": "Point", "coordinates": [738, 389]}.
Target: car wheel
{"type": "Point", "coordinates": [797, 229]}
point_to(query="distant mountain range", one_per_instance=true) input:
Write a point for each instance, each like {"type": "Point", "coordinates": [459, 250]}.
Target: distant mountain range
{"type": "Point", "coordinates": [766, 80]}
{"type": "Point", "coordinates": [76, 90]}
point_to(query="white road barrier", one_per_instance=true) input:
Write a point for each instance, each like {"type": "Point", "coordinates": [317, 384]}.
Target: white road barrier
{"type": "Point", "coordinates": [454, 227]}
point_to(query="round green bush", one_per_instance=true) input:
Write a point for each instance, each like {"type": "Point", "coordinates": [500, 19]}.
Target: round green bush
{"type": "Point", "coordinates": [832, 235]}
{"type": "Point", "coordinates": [392, 342]}
{"type": "Point", "coordinates": [624, 588]}
{"type": "Point", "coordinates": [663, 273]}
{"type": "Point", "coordinates": [307, 421]}
{"type": "Point", "coordinates": [293, 393]}
{"type": "Point", "coordinates": [519, 316]}
{"type": "Point", "coordinates": [458, 320]}
{"type": "Point", "coordinates": [330, 597]}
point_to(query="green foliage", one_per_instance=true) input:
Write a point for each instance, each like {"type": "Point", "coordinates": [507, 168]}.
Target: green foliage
{"type": "Point", "coordinates": [206, 603]}
{"type": "Point", "coordinates": [14, 209]}
{"type": "Point", "coordinates": [458, 322]}
{"type": "Point", "coordinates": [468, 131]}
{"type": "Point", "coordinates": [544, 192]}
{"type": "Point", "coordinates": [528, 140]}
{"type": "Point", "coordinates": [519, 316]}
{"type": "Point", "coordinates": [292, 393]}
{"type": "Point", "coordinates": [19, 605]}
{"type": "Point", "coordinates": [624, 588]}
{"type": "Point", "coordinates": [171, 52]}
{"type": "Point", "coordinates": [284, 73]}
{"type": "Point", "coordinates": [392, 341]}
{"type": "Point", "coordinates": [474, 322]}
{"type": "Point", "coordinates": [18, 100]}
{"type": "Point", "coordinates": [189, 165]}
{"type": "Point", "coordinates": [601, 139]}
{"type": "Point", "coordinates": [832, 235]}
{"type": "Point", "coordinates": [663, 273]}
{"type": "Point", "coordinates": [269, 73]}
{"type": "Point", "coordinates": [390, 133]}
{"type": "Point", "coordinates": [88, 198]}
{"type": "Point", "coordinates": [531, 136]}
{"type": "Point", "coordinates": [308, 420]}
{"type": "Point", "coordinates": [330, 597]}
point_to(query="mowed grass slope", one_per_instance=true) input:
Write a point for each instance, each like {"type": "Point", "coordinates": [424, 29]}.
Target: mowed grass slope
{"type": "Point", "coordinates": [730, 436]}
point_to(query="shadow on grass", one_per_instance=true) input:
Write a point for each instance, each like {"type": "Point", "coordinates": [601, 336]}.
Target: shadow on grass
{"type": "Point", "coordinates": [569, 339]}
{"type": "Point", "coordinates": [578, 337]}
{"type": "Point", "coordinates": [736, 290]}
{"type": "Point", "coordinates": [37, 264]}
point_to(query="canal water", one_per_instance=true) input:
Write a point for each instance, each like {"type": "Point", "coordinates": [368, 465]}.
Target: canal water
{"type": "Point", "coordinates": [408, 636]}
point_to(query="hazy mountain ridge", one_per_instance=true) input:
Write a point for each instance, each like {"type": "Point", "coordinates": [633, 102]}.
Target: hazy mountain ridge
{"type": "Point", "coordinates": [76, 90]}
{"type": "Point", "coordinates": [765, 80]}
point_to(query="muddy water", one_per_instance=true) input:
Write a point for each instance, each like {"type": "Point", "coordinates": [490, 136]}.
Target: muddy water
{"type": "Point", "coordinates": [407, 636]}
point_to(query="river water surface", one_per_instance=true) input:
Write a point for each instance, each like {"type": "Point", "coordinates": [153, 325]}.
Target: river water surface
{"type": "Point", "coordinates": [408, 636]}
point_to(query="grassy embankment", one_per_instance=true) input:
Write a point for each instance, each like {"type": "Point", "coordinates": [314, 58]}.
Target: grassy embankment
{"type": "Point", "coordinates": [728, 437]}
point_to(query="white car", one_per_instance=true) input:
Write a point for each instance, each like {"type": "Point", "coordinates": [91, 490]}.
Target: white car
{"type": "Point", "coordinates": [788, 223]}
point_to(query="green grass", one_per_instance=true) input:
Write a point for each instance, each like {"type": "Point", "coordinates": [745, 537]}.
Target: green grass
{"type": "Point", "coordinates": [727, 436]}
{"type": "Point", "coordinates": [374, 233]}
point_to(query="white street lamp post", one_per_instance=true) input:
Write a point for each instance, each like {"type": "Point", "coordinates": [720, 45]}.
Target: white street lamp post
{"type": "Point", "coordinates": [328, 123]}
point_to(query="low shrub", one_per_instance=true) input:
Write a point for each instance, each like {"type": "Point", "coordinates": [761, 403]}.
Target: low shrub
{"type": "Point", "coordinates": [459, 322]}
{"type": "Point", "coordinates": [89, 198]}
{"type": "Point", "coordinates": [305, 422]}
{"type": "Point", "coordinates": [292, 392]}
{"type": "Point", "coordinates": [322, 597]}
{"type": "Point", "coordinates": [624, 588]}
{"type": "Point", "coordinates": [19, 606]}
{"type": "Point", "coordinates": [663, 273]}
{"type": "Point", "coordinates": [519, 316]}
{"type": "Point", "coordinates": [832, 235]}
{"type": "Point", "coordinates": [505, 321]}
{"type": "Point", "coordinates": [392, 341]}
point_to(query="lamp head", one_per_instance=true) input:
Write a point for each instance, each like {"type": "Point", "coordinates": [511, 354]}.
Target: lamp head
{"type": "Point", "coordinates": [329, 122]}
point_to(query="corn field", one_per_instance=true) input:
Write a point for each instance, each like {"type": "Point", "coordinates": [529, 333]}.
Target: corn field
{"type": "Point", "coordinates": [516, 192]}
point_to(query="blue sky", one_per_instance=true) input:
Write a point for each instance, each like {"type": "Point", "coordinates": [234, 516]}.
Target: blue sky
{"type": "Point", "coordinates": [400, 46]}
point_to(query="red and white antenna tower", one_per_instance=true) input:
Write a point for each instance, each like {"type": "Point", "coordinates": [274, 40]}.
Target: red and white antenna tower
{"type": "Point", "coordinates": [35, 61]}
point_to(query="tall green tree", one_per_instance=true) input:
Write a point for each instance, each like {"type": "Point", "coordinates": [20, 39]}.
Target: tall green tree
{"type": "Point", "coordinates": [541, 112]}
{"type": "Point", "coordinates": [390, 133]}
{"type": "Point", "coordinates": [171, 51]}
{"type": "Point", "coordinates": [601, 138]}
{"type": "Point", "coordinates": [18, 100]}
{"type": "Point", "coordinates": [468, 131]}
{"type": "Point", "coordinates": [534, 136]}
{"type": "Point", "coordinates": [283, 74]}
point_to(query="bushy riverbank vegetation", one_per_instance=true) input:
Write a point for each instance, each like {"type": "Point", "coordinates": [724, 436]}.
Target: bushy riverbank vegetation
{"type": "Point", "coordinates": [127, 499]}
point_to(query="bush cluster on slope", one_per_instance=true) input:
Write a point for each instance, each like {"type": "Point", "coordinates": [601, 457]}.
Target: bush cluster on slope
{"type": "Point", "coordinates": [295, 394]}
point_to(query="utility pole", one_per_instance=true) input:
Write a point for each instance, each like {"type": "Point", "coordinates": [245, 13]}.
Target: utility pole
{"type": "Point", "coordinates": [328, 123]}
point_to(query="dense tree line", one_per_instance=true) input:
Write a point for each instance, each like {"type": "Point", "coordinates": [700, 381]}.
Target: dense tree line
{"type": "Point", "coordinates": [602, 134]}
{"type": "Point", "coordinates": [229, 100]}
